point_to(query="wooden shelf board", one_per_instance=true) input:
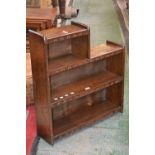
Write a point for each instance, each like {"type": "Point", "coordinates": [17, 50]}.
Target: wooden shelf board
{"type": "Point", "coordinates": [67, 30]}
{"type": "Point", "coordinates": [84, 116]}
{"type": "Point", "coordinates": [65, 63]}
{"type": "Point", "coordinates": [105, 50]}
{"type": "Point", "coordinates": [95, 82]}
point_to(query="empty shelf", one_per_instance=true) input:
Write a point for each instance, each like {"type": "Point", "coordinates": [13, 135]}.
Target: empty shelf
{"type": "Point", "coordinates": [84, 87]}
{"type": "Point", "coordinates": [65, 63]}
{"type": "Point", "coordinates": [84, 116]}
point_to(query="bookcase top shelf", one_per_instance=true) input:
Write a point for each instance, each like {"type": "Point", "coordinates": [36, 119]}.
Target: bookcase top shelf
{"type": "Point", "coordinates": [70, 61]}
{"type": "Point", "coordinates": [66, 32]}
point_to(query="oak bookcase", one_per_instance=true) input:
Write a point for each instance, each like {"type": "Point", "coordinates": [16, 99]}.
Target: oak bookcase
{"type": "Point", "coordinates": [74, 85]}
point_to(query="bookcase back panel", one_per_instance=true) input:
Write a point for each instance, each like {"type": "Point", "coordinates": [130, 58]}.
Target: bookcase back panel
{"type": "Point", "coordinates": [60, 48]}
{"type": "Point", "coordinates": [80, 46]}
{"type": "Point", "coordinates": [73, 106]}
{"type": "Point", "coordinates": [77, 73]}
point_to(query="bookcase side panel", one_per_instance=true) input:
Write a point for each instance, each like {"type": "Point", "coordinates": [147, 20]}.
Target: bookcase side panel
{"type": "Point", "coordinates": [116, 64]}
{"type": "Point", "coordinates": [41, 85]}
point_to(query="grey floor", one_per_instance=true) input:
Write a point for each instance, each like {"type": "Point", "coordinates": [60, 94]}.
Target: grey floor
{"type": "Point", "coordinates": [110, 136]}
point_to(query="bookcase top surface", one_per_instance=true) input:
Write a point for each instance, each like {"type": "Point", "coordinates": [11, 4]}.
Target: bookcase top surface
{"type": "Point", "coordinates": [59, 32]}
{"type": "Point", "coordinates": [102, 50]}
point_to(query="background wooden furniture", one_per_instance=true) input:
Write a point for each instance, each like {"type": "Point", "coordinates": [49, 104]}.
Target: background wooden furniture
{"type": "Point", "coordinates": [74, 86]}
{"type": "Point", "coordinates": [40, 18]}
{"type": "Point", "coordinates": [38, 3]}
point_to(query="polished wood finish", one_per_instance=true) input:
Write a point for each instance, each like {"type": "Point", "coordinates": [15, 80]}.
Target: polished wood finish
{"type": "Point", "coordinates": [74, 85]}
{"type": "Point", "coordinates": [40, 18]}
{"type": "Point", "coordinates": [41, 85]}
{"type": "Point", "coordinates": [41, 13]}
{"type": "Point", "coordinates": [66, 32]}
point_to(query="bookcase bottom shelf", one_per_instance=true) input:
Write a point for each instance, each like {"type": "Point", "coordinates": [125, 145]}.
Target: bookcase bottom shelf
{"type": "Point", "coordinates": [84, 116]}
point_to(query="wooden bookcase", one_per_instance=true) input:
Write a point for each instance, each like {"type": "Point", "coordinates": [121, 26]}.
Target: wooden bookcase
{"type": "Point", "coordinates": [73, 85]}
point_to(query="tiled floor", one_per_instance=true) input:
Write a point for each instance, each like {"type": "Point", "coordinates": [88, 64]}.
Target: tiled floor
{"type": "Point", "coordinates": [110, 136]}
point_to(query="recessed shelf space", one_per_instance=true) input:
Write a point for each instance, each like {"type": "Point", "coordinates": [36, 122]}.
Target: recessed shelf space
{"type": "Point", "coordinates": [84, 116]}
{"type": "Point", "coordinates": [85, 110]}
{"type": "Point", "coordinates": [84, 87]}
{"type": "Point", "coordinates": [69, 61]}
